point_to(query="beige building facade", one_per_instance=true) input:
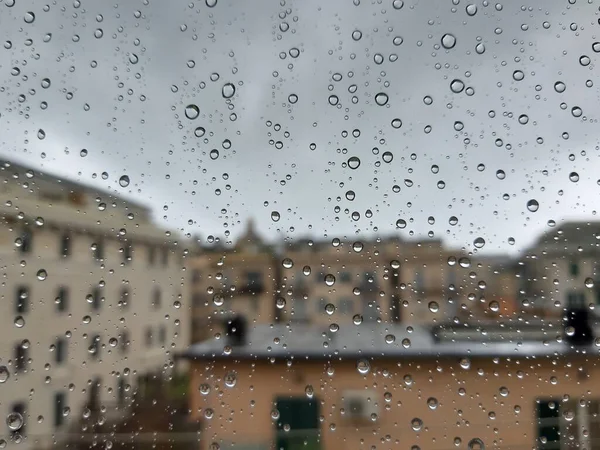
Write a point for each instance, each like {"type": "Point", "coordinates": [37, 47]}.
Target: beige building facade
{"type": "Point", "coordinates": [93, 301]}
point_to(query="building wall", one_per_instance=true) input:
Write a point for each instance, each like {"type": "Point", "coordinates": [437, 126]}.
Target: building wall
{"type": "Point", "coordinates": [124, 330]}
{"type": "Point", "coordinates": [494, 401]}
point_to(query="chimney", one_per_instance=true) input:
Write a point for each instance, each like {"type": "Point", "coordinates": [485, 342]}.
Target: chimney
{"type": "Point", "coordinates": [237, 332]}
{"type": "Point", "coordinates": [577, 321]}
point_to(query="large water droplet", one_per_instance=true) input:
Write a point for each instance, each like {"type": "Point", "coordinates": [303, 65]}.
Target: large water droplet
{"type": "Point", "coordinates": [457, 86]}
{"type": "Point", "coordinates": [42, 274]}
{"type": "Point", "coordinates": [471, 9]}
{"type": "Point", "coordinates": [354, 162]}
{"type": "Point", "coordinates": [381, 99]}
{"type": "Point", "coordinates": [363, 366]}
{"type": "Point", "coordinates": [192, 111]}
{"type": "Point", "coordinates": [329, 279]}
{"type": "Point", "coordinates": [357, 35]}
{"type": "Point", "coordinates": [230, 379]}
{"type": "Point", "coordinates": [124, 181]}
{"type": "Point", "coordinates": [416, 424]}
{"type": "Point", "coordinates": [448, 41]}
{"type": "Point", "coordinates": [29, 17]}
{"type": "Point", "coordinates": [533, 205]}
{"type": "Point", "coordinates": [4, 374]}
{"type": "Point", "coordinates": [228, 90]}
{"type": "Point", "coordinates": [14, 420]}
{"type": "Point", "coordinates": [479, 242]}
{"type": "Point", "coordinates": [275, 216]}
{"type": "Point", "coordinates": [475, 444]}
{"type": "Point", "coordinates": [560, 87]}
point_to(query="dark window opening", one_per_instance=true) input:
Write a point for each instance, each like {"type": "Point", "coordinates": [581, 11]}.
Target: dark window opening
{"type": "Point", "coordinates": [98, 250]}
{"type": "Point", "coordinates": [61, 351]}
{"type": "Point", "coordinates": [59, 408]}
{"type": "Point", "coordinates": [65, 245]}
{"type": "Point", "coordinates": [26, 241]}
{"type": "Point", "coordinates": [96, 298]}
{"type": "Point", "coordinates": [62, 299]}
{"type": "Point", "coordinates": [20, 358]}
{"type": "Point", "coordinates": [20, 408]}
{"type": "Point", "coordinates": [124, 298]}
{"type": "Point", "coordinates": [22, 300]}
{"type": "Point", "coordinates": [156, 298]}
{"type": "Point", "coordinates": [127, 253]}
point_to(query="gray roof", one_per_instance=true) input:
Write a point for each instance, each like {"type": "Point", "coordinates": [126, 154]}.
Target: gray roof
{"type": "Point", "coordinates": [568, 236]}
{"type": "Point", "coordinates": [369, 341]}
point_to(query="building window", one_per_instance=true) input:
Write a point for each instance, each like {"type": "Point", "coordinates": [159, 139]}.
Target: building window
{"type": "Point", "coordinates": [197, 299]}
{"type": "Point", "coordinates": [59, 408]}
{"type": "Point", "coordinates": [22, 300]}
{"type": "Point", "coordinates": [151, 255]}
{"type": "Point", "coordinates": [124, 341]}
{"type": "Point", "coordinates": [65, 245]}
{"type": "Point", "coordinates": [345, 277]}
{"type": "Point", "coordinates": [576, 300]}
{"type": "Point", "coordinates": [19, 408]}
{"type": "Point", "coordinates": [20, 358]}
{"type": "Point", "coordinates": [162, 335]}
{"type": "Point", "coordinates": [346, 306]}
{"type": "Point", "coordinates": [156, 298]}
{"type": "Point", "coordinates": [418, 281]}
{"type": "Point", "coordinates": [96, 298]}
{"type": "Point", "coordinates": [98, 250]}
{"type": "Point", "coordinates": [26, 241]}
{"type": "Point", "coordinates": [94, 347]}
{"type": "Point", "coordinates": [574, 269]}
{"type": "Point", "coordinates": [557, 429]}
{"type": "Point", "coordinates": [127, 252]}
{"type": "Point", "coordinates": [124, 298]}
{"type": "Point", "coordinates": [254, 282]}
{"type": "Point", "coordinates": [148, 337]}
{"type": "Point", "coordinates": [300, 309]}
{"type": "Point", "coordinates": [62, 299]}
{"type": "Point", "coordinates": [196, 276]}
{"type": "Point", "coordinates": [321, 304]}
{"type": "Point", "coordinates": [165, 256]}
{"type": "Point", "coordinates": [120, 391]}
{"type": "Point", "coordinates": [61, 351]}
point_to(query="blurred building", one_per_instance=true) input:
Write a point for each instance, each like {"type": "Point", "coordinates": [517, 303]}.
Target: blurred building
{"type": "Point", "coordinates": [371, 386]}
{"type": "Point", "coordinates": [229, 281]}
{"type": "Point", "coordinates": [90, 302]}
{"type": "Point", "coordinates": [560, 270]}
{"type": "Point", "coordinates": [381, 280]}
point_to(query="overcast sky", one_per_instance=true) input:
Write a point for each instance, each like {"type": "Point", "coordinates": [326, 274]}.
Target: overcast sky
{"type": "Point", "coordinates": [122, 74]}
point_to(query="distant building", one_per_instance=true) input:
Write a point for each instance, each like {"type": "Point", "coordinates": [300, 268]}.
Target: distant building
{"type": "Point", "coordinates": [390, 386]}
{"type": "Point", "coordinates": [90, 308]}
{"type": "Point", "coordinates": [561, 270]}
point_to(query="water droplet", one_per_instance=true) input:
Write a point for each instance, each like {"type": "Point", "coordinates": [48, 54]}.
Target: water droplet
{"type": "Point", "coordinates": [192, 111]}
{"type": "Point", "coordinates": [479, 242]}
{"type": "Point", "coordinates": [533, 205]}
{"type": "Point", "coordinates": [363, 366]}
{"type": "Point", "coordinates": [381, 99]}
{"type": "Point", "coordinates": [480, 48]}
{"type": "Point", "coordinates": [465, 363]}
{"type": "Point", "coordinates": [228, 90]}
{"type": "Point", "coordinates": [124, 181]}
{"type": "Point", "coordinates": [500, 174]}
{"type": "Point", "coordinates": [584, 60]}
{"type": "Point", "coordinates": [503, 391]}
{"type": "Point", "coordinates": [457, 86]}
{"type": "Point", "coordinates": [518, 75]}
{"type": "Point", "coordinates": [204, 389]}
{"type": "Point", "coordinates": [211, 3]}
{"type": "Point", "coordinates": [199, 132]}
{"type": "Point", "coordinates": [378, 58]}
{"type": "Point", "coordinates": [401, 223]}
{"type": "Point", "coordinates": [396, 123]}
{"type": "Point", "coordinates": [574, 177]}
{"type": "Point", "coordinates": [306, 270]}
{"type": "Point", "coordinates": [416, 424]}
{"type": "Point", "coordinates": [397, 4]}
{"type": "Point", "coordinates": [576, 111]}
{"type": "Point", "coordinates": [471, 9]}
{"type": "Point", "coordinates": [4, 374]}
{"type": "Point", "coordinates": [448, 41]}
{"type": "Point", "coordinates": [589, 283]}
{"type": "Point", "coordinates": [280, 303]}
{"type": "Point", "coordinates": [458, 126]}
{"type": "Point", "coordinates": [560, 87]}
{"type": "Point", "coordinates": [14, 420]}
{"type": "Point", "coordinates": [113, 342]}
{"type": "Point", "coordinates": [433, 307]}
{"type": "Point", "coordinates": [214, 154]}
{"type": "Point", "coordinates": [390, 338]}
{"type": "Point", "coordinates": [357, 319]}
{"type": "Point", "coordinates": [275, 216]}
{"type": "Point", "coordinates": [133, 58]}
{"type": "Point", "coordinates": [387, 157]}
{"type": "Point", "coordinates": [329, 309]}
{"type": "Point", "coordinates": [432, 402]}
{"type": "Point", "coordinates": [475, 444]}
{"type": "Point", "coordinates": [230, 379]}
{"type": "Point", "coordinates": [523, 119]}
{"type": "Point", "coordinates": [333, 100]}
{"type": "Point", "coordinates": [354, 162]}
{"type": "Point", "coordinates": [287, 263]}
{"type": "Point", "coordinates": [357, 35]}
{"type": "Point", "coordinates": [309, 391]}
{"type": "Point", "coordinates": [29, 17]}
{"type": "Point", "coordinates": [292, 98]}
{"type": "Point", "coordinates": [42, 274]}
{"type": "Point", "coordinates": [329, 279]}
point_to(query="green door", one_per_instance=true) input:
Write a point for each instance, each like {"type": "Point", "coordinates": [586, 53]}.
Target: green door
{"type": "Point", "coordinates": [302, 417]}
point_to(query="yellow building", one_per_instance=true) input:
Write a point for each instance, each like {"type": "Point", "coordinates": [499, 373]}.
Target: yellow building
{"type": "Point", "coordinates": [388, 386]}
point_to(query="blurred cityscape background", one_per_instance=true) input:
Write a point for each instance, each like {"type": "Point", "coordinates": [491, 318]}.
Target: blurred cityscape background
{"type": "Point", "coordinates": [119, 334]}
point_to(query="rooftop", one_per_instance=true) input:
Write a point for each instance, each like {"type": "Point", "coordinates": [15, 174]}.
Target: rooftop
{"type": "Point", "coordinates": [313, 342]}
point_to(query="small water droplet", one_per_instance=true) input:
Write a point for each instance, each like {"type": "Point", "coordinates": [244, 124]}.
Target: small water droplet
{"type": "Point", "coordinates": [329, 279]}
{"type": "Point", "coordinates": [29, 17]}
{"type": "Point", "coordinates": [275, 216]}
{"type": "Point", "coordinates": [479, 242]}
{"type": "Point", "coordinates": [416, 424]}
{"type": "Point", "coordinates": [357, 35]}
{"type": "Point", "coordinates": [230, 379]}
{"type": "Point", "coordinates": [42, 274]}
{"type": "Point", "coordinates": [457, 86]}
{"type": "Point", "coordinates": [448, 41]}
{"type": "Point", "coordinates": [471, 9]}
{"type": "Point", "coordinates": [363, 366]}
